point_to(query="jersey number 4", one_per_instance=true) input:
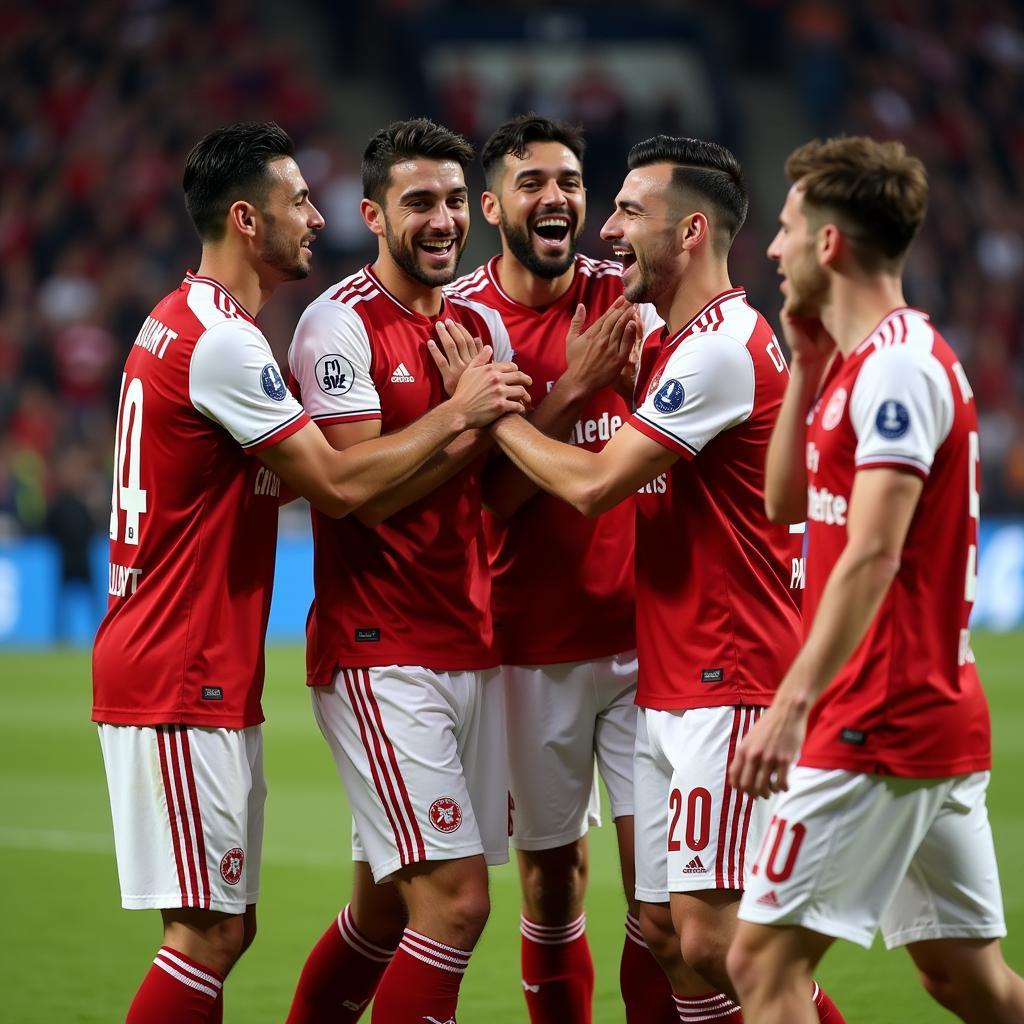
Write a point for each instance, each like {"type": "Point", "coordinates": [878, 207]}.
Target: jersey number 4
{"type": "Point", "coordinates": [127, 497]}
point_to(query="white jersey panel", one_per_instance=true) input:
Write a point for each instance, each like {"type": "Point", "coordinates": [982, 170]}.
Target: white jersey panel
{"type": "Point", "coordinates": [330, 358]}
{"type": "Point", "coordinates": [707, 386]}
{"type": "Point", "coordinates": [901, 408]}
{"type": "Point", "coordinates": [233, 380]}
{"type": "Point", "coordinates": [501, 345]}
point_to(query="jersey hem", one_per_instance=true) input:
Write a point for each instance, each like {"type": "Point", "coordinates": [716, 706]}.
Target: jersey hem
{"type": "Point", "coordinates": [539, 657]}
{"type": "Point", "coordinates": [720, 700]}
{"type": "Point", "coordinates": [665, 439]}
{"type": "Point", "coordinates": [279, 435]}
{"type": "Point", "coordinates": [114, 716]}
{"type": "Point", "coordinates": [324, 677]}
{"type": "Point", "coordinates": [882, 765]}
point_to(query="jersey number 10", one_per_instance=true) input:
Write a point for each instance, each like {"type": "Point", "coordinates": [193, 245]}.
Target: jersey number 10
{"type": "Point", "coordinates": [127, 496]}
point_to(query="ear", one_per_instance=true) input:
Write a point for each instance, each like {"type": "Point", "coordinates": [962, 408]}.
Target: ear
{"type": "Point", "coordinates": [373, 216]}
{"type": "Point", "coordinates": [242, 216]}
{"type": "Point", "coordinates": [829, 244]}
{"type": "Point", "coordinates": [693, 230]}
{"type": "Point", "coordinates": [491, 207]}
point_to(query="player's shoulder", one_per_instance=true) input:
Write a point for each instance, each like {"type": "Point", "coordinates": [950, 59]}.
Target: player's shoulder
{"type": "Point", "coordinates": [343, 304]}
{"type": "Point", "coordinates": [472, 310]}
{"type": "Point", "coordinates": [597, 269]}
{"type": "Point", "coordinates": [476, 284]}
{"type": "Point", "coordinates": [208, 305]}
{"type": "Point", "coordinates": [731, 317]}
{"type": "Point", "coordinates": [904, 341]}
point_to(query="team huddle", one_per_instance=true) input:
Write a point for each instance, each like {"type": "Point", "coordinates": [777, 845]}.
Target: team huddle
{"type": "Point", "coordinates": [570, 516]}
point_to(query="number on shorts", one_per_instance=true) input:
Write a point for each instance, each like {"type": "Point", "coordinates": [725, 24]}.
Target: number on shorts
{"type": "Point", "coordinates": [798, 832]}
{"type": "Point", "coordinates": [128, 496]}
{"type": "Point", "coordinates": [698, 819]}
{"type": "Point", "coordinates": [675, 803]}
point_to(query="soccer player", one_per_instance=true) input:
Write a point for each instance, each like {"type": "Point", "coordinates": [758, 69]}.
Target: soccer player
{"type": "Point", "coordinates": [206, 435]}
{"type": "Point", "coordinates": [568, 650]}
{"type": "Point", "coordinates": [716, 619]}
{"type": "Point", "coordinates": [401, 653]}
{"type": "Point", "coordinates": [883, 821]}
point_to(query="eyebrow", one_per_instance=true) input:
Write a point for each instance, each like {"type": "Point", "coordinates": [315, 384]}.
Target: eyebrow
{"type": "Point", "coordinates": [628, 204]}
{"type": "Point", "coordinates": [300, 193]}
{"type": "Point", "coordinates": [427, 193]}
{"type": "Point", "coordinates": [536, 172]}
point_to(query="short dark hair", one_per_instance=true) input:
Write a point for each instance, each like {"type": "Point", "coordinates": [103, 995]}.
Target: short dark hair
{"type": "Point", "coordinates": [706, 170]}
{"type": "Point", "coordinates": [406, 140]}
{"type": "Point", "coordinates": [229, 164]}
{"type": "Point", "coordinates": [876, 192]}
{"type": "Point", "coordinates": [514, 137]}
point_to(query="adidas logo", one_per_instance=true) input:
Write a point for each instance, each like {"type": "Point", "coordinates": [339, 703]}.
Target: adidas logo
{"type": "Point", "coordinates": [769, 899]}
{"type": "Point", "coordinates": [695, 867]}
{"type": "Point", "coordinates": [402, 375]}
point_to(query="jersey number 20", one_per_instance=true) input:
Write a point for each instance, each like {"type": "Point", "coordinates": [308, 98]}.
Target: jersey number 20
{"type": "Point", "coordinates": [127, 496]}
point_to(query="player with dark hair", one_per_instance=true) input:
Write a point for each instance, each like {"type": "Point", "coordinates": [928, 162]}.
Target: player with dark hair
{"type": "Point", "coordinates": [562, 584]}
{"type": "Point", "coordinates": [178, 660]}
{"type": "Point", "coordinates": [400, 647]}
{"type": "Point", "coordinates": [882, 821]}
{"type": "Point", "coordinates": [716, 616]}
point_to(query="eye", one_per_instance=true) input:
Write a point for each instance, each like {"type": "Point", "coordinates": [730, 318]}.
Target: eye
{"type": "Point", "coordinates": [529, 185]}
{"type": "Point", "coordinates": [572, 185]}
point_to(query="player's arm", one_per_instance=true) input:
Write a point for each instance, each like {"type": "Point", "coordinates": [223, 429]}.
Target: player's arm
{"type": "Point", "coordinates": [354, 465]}
{"type": "Point", "coordinates": [595, 358]}
{"type": "Point", "coordinates": [785, 475]}
{"type": "Point", "coordinates": [881, 508]}
{"type": "Point", "coordinates": [592, 482]}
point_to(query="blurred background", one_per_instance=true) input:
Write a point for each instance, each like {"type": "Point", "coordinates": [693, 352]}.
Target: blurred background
{"type": "Point", "coordinates": [103, 101]}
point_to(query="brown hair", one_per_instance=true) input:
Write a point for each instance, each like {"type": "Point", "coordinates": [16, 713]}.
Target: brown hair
{"type": "Point", "coordinates": [876, 193]}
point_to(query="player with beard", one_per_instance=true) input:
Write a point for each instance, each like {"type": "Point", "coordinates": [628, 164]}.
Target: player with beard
{"type": "Point", "coordinates": [716, 617]}
{"type": "Point", "coordinates": [400, 647]}
{"type": "Point", "coordinates": [567, 646]}
{"type": "Point", "coordinates": [205, 434]}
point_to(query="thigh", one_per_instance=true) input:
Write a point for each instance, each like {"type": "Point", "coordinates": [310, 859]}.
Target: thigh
{"type": "Point", "coordinates": [951, 889]}
{"type": "Point", "coordinates": [393, 733]}
{"type": "Point", "coordinates": [652, 776]}
{"type": "Point", "coordinates": [712, 827]}
{"type": "Point", "coordinates": [615, 732]}
{"type": "Point", "coordinates": [551, 715]}
{"type": "Point", "coordinates": [186, 808]}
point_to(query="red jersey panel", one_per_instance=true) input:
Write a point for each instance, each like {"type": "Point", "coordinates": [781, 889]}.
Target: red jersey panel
{"type": "Point", "coordinates": [415, 589]}
{"type": "Point", "coordinates": [193, 522]}
{"type": "Point", "coordinates": [717, 620]}
{"type": "Point", "coordinates": [561, 584]}
{"type": "Point", "coordinates": [909, 701]}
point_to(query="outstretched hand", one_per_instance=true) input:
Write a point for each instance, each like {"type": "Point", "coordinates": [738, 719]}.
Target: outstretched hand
{"type": "Point", "coordinates": [595, 357]}
{"type": "Point", "coordinates": [485, 390]}
{"type": "Point", "coordinates": [460, 348]}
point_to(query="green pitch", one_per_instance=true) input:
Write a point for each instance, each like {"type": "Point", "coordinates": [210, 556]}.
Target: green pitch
{"type": "Point", "coordinates": [70, 953]}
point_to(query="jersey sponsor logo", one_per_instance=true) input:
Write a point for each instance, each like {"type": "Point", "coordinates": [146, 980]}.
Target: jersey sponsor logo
{"type": "Point", "coordinates": [695, 867]}
{"type": "Point", "coordinates": [893, 419]}
{"type": "Point", "coordinates": [267, 483]}
{"type": "Point", "coordinates": [825, 507]}
{"type": "Point", "coordinates": [669, 397]}
{"type": "Point", "coordinates": [367, 636]}
{"type": "Point", "coordinates": [834, 410]}
{"type": "Point", "coordinates": [712, 675]}
{"type": "Point", "coordinates": [123, 580]}
{"type": "Point", "coordinates": [659, 485]}
{"type": "Point", "coordinates": [855, 737]}
{"type": "Point", "coordinates": [798, 574]}
{"type": "Point", "coordinates": [334, 374]}
{"type": "Point", "coordinates": [231, 865]}
{"type": "Point", "coordinates": [445, 814]}
{"type": "Point", "coordinates": [213, 693]}
{"type": "Point", "coordinates": [402, 375]}
{"type": "Point", "coordinates": [273, 383]}
{"type": "Point", "coordinates": [600, 429]}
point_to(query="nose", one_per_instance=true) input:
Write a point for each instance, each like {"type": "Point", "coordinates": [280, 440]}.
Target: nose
{"type": "Point", "coordinates": [553, 195]}
{"type": "Point", "coordinates": [441, 219]}
{"type": "Point", "coordinates": [774, 250]}
{"type": "Point", "coordinates": [612, 228]}
{"type": "Point", "coordinates": [316, 220]}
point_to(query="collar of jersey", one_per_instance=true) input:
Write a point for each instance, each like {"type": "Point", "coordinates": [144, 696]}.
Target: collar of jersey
{"type": "Point", "coordinates": [732, 293]}
{"type": "Point", "coordinates": [411, 313]}
{"type": "Point", "coordinates": [191, 275]}
{"type": "Point", "coordinates": [873, 334]}
{"type": "Point", "coordinates": [491, 269]}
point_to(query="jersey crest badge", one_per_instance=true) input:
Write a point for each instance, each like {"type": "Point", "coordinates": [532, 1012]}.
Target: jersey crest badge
{"type": "Point", "coordinates": [334, 374]}
{"type": "Point", "coordinates": [669, 397]}
{"type": "Point", "coordinates": [445, 814]}
{"type": "Point", "coordinates": [893, 419]}
{"type": "Point", "coordinates": [231, 865]}
{"type": "Point", "coordinates": [273, 383]}
{"type": "Point", "coordinates": [834, 410]}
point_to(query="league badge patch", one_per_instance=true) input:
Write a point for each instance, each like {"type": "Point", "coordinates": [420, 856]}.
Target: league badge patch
{"type": "Point", "coordinates": [445, 814]}
{"type": "Point", "coordinates": [670, 397]}
{"type": "Point", "coordinates": [273, 383]}
{"type": "Point", "coordinates": [231, 865]}
{"type": "Point", "coordinates": [334, 374]}
{"type": "Point", "coordinates": [893, 419]}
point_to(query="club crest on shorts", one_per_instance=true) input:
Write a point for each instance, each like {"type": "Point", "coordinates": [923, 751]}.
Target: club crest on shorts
{"type": "Point", "coordinates": [231, 865]}
{"type": "Point", "coordinates": [445, 814]}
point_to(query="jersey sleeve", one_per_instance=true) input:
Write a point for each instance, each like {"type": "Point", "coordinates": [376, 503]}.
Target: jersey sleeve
{"type": "Point", "coordinates": [707, 386]}
{"type": "Point", "coordinates": [234, 380]}
{"type": "Point", "coordinates": [330, 361]}
{"type": "Point", "coordinates": [901, 409]}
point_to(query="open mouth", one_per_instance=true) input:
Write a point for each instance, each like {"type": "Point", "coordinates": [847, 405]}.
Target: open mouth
{"type": "Point", "coordinates": [624, 255]}
{"type": "Point", "coordinates": [439, 248]}
{"type": "Point", "coordinates": [552, 230]}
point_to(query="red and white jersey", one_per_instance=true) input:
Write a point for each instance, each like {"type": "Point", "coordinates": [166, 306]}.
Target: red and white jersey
{"type": "Point", "coordinates": [415, 589]}
{"type": "Point", "coordinates": [193, 523]}
{"type": "Point", "coordinates": [717, 620]}
{"type": "Point", "coordinates": [561, 584]}
{"type": "Point", "coordinates": [908, 702]}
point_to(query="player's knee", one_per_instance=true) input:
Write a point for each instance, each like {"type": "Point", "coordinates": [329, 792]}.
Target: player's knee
{"type": "Point", "coordinates": [704, 945]}
{"type": "Point", "coordinates": [939, 985]}
{"type": "Point", "coordinates": [468, 913]}
{"type": "Point", "coordinates": [742, 965]}
{"type": "Point", "coordinates": [658, 933]}
{"type": "Point", "coordinates": [554, 882]}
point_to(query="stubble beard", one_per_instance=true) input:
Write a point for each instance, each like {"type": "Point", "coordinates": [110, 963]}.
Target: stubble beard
{"type": "Point", "coordinates": [521, 246]}
{"type": "Point", "coordinates": [404, 257]}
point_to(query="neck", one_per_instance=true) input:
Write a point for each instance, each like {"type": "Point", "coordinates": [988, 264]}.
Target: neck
{"type": "Point", "coordinates": [698, 286]}
{"type": "Point", "coordinates": [238, 275]}
{"type": "Point", "coordinates": [856, 306]}
{"type": "Point", "coordinates": [523, 286]}
{"type": "Point", "coordinates": [420, 298]}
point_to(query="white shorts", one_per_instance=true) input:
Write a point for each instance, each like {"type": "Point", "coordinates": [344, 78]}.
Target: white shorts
{"type": "Point", "coordinates": [421, 755]}
{"type": "Point", "coordinates": [560, 717]}
{"type": "Point", "coordinates": [693, 830]}
{"type": "Point", "coordinates": [187, 806]}
{"type": "Point", "coordinates": [846, 853]}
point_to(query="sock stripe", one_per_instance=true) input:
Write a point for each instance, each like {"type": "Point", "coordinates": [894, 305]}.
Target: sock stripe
{"type": "Point", "coordinates": [633, 932]}
{"type": "Point", "coordinates": [359, 942]}
{"type": "Point", "coordinates": [186, 980]}
{"type": "Point", "coordinates": [435, 953]}
{"type": "Point", "coordinates": [200, 974]}
{"type": "Point", "coordinates": [715, 1006]}
{"type": "Point", "coordinates": [553, 935]}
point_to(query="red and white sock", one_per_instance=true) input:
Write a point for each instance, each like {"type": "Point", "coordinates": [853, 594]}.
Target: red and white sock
{"type": "Point", "coordinates": [645, 987]}
{"type": "Point", "coordinates": [558, 972]}
{"type": "Point", "coordinates": [421, 982]}
{"type": "Point", "coordinates": [176, 990]}
{"type": "Point", "coordinates": [828, 1012]}
{"type": "Point", "coordinates": [340, 975]}
{"type": "Point", "coordinates": [713, 1008]}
